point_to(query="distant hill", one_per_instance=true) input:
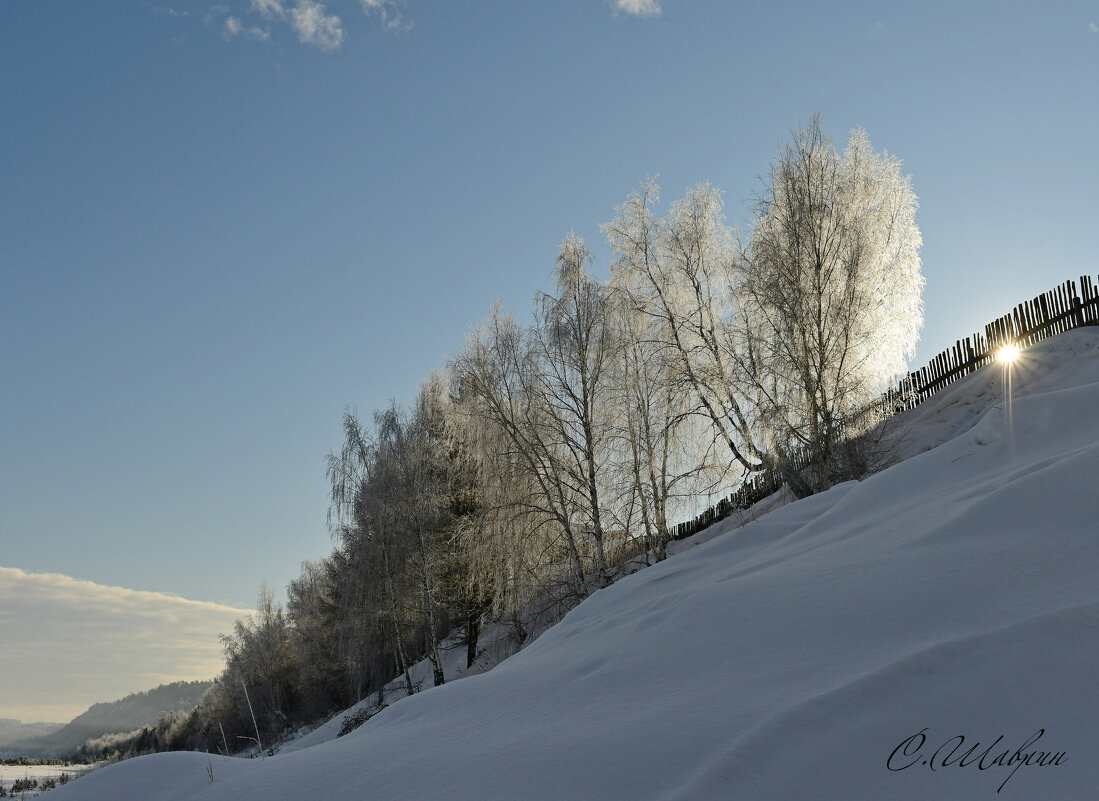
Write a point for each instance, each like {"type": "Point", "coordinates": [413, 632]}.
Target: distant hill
{"type": "Point", "coordinates": [126, 714]}
{"type": "Point", "coordinates": [13, 732]}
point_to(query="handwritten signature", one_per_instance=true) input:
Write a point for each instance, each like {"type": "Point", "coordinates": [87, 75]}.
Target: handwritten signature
{"type": "Point", "coordinates": [911, 752]}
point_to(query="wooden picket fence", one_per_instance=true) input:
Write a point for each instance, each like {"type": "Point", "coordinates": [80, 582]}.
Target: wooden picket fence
{"type": "Point", "coordinates": [1051, 313]}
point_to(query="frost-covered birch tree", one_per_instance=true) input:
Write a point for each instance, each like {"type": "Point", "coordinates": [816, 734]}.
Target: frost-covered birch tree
{"type": "Point", "coordinates": [573, 341]}
{"type": "Point", "coordinates": [546, 390]}
{"type": "Point", "coordinates": [501, 540]}
{"type": "Point", "coordinates": [411, 493]}
{"type": "Point", "coordinates": [461, 494]}
{"type": "Point", "coordinates": [830, 287]}
{"type": "Point", "coordinates": [662, 452]}
{"type": "Point", "coordinates": [683, 266]}
{"type": "Point", "coordinates": [498, 367]}
{"type": "Point", "coordinates": [361, 519]}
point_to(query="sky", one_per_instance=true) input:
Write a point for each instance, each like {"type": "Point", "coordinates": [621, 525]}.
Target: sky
{"type": "Point", "coordinates": [47, 618]}
{"type": "Point", "coordinates": [221, 224]}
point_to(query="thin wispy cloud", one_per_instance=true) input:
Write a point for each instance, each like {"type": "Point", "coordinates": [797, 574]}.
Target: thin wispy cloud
{"type": "Point", "coordinates": [309, 19]}
{"type": "Point", "coordinates": [170, 12]}
{"type": "Point", "coordinates": [638, 8]}
{"type": "Point", "coordinates": [231, 27]}
{"type": "Point", "coordinates": [214, 16]}
{"type": "Point", "coordinates": [268, 8]}
{"type": "Point", "coordinates": [234, 27]}
{"type": "Point", "coordinates": [389, 12]}
{"type": "Point", "coordinates": [315, 26]}
{"type": "Point", "coordinates": [1093, 27]}
{"type": "Point", "coordinates": [67, 643]}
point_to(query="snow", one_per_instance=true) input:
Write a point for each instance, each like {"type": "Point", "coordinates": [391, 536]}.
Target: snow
{"type": "Point", "coordinates": [494, 645]}
{"type": "Point", "coordinates": [9, 774]}
{"type": "Point", "coordinates": [790, 657]}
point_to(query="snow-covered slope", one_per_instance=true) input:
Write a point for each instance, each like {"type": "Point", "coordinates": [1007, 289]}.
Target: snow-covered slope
{"type": "Point", "coordinates": [798, 657]}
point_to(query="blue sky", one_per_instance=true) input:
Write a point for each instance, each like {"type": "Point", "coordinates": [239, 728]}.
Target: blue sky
{"type": "Point", "coordinates": [220, 223]}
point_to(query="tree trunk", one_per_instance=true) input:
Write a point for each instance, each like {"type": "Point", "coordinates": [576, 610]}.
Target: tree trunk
{"type": "Point", "coordinates": [473, 633]}
{"type": "Point", "coordinates": [429, 612]}
{"type": "Point", "coordinates": [402, 660]}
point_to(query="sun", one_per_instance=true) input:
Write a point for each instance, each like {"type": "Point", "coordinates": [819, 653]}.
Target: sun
{"type": "Point", "coordinates": [1008, 353]}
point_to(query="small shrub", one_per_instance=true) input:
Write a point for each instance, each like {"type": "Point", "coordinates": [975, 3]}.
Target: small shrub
{"type": "Point", "coordinates": [353, 721]}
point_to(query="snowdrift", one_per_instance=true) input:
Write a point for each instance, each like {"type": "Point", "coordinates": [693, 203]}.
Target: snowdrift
{"type": "Point", "coordinates": [827, 650]}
